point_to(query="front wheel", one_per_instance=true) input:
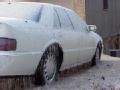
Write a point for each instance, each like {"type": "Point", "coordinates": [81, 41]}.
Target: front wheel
{"type": "Point", "coordinates": [96, 58]}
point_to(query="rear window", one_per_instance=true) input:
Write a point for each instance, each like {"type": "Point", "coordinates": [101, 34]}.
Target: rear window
{"type": "Point", "coordinates": [20, 11]}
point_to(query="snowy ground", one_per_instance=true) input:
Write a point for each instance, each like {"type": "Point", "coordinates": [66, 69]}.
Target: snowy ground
{"type": "Point", "coordinates": [106, 76]}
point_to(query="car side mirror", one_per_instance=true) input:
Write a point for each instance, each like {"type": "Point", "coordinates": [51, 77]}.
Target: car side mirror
{"type": "Point", "coordinates": [92, 28]}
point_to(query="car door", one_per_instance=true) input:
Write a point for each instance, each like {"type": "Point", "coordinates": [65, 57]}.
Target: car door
{"type": "Point", "coordinates": [86, 43]}
{"type": "Point", "coordinates": [68, 38]}
{"type": "Point", "coordinates": [89, 43]}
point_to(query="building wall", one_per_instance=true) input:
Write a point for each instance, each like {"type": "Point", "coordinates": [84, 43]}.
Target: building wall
{"type": "Point", "coordinates": [107, 21]}
{"type": "Point", "coordinates": [77, 5]}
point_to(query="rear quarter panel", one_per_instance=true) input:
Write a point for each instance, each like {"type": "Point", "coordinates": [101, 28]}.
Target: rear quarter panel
{"type": "Point", "coordinates": [31, 39]}
{"type": "Point", "coordinates": [31, 43]}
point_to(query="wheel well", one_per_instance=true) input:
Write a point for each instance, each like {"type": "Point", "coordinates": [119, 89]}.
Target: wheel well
{"type": "Point", "coordinates": [60, 51]}
{"type": "Point", "coordinates": [60, 57]}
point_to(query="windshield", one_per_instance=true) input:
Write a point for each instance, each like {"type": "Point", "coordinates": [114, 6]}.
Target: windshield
{"type": "Point", "coordinates": [20, 11]}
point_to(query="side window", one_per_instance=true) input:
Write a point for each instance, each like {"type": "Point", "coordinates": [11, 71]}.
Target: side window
{"type": "Point", "coordinates": [78, 23]}
{"type": "Point", "coordinates": [40, 13]}
{"type": "Point", "coordinates": [57, 23]}
{"type": "Point", "coordinates": [47, 17]}
{"type": "Point", "coordinates": [64, 19]}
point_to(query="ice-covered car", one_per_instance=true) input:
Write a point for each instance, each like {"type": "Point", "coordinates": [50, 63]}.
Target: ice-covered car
{"type": "Point", "coordinates": [42, 39]}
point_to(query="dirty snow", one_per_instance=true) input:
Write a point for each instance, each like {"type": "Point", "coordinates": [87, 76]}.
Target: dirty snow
{"type": "Point", "coordinates": [105, 76]}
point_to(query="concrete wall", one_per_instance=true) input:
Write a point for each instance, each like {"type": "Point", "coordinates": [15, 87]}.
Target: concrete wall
{"type": "Point", "coordinates": [107, 21]}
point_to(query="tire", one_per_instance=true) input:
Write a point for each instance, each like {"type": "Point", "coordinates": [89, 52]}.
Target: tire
{"type": "Point", "coordinates": [96, 58]}
{"type": "Point", "coordinates": [47, 71]}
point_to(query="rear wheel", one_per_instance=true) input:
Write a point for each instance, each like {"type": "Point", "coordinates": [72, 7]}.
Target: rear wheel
{"type": "Point", "coordinates": [47, 71]}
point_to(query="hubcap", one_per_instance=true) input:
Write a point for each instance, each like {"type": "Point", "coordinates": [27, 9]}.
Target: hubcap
{"type": "Point", "coordinates": [50, 68]}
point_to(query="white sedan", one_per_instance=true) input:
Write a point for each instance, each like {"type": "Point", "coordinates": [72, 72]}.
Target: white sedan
{"type": "Point", "coordinates": [42, 39]}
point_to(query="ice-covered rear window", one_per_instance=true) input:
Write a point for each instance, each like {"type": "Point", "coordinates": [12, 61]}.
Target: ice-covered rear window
{"type": "Point", "coordinates": [21, 11]}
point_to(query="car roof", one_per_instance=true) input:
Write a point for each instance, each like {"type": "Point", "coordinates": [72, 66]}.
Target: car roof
{"type": "Point", "coordinates": [37, 3]}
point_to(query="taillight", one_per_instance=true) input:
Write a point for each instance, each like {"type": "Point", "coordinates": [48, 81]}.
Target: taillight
{"type": "Point", "coordinates": [7, 44]}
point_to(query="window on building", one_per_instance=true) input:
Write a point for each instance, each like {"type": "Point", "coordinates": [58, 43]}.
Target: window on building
{"type": "Point", "coordinates": [105, 4]}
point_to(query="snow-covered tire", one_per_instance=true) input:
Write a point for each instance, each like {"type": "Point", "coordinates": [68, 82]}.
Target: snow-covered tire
{"type": "Point", "coordinates": [96, 58]}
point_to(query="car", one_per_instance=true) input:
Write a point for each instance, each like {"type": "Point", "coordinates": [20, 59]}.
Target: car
{"type": "Point", "coordinates": [40, 39]}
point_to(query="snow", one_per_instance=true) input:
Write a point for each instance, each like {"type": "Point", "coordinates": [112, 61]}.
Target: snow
{"type": "Point", "coordinates": [105, 76]}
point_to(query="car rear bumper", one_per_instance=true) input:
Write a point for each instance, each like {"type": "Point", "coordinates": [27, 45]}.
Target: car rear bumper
{"type": "Point", "coordinates": [17, 64]}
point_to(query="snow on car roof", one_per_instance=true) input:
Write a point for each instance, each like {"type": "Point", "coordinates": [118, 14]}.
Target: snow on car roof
{"type": "Point", "coordinates": [37, 3]}
{"type": "Point", "coordinates": [24, 10]}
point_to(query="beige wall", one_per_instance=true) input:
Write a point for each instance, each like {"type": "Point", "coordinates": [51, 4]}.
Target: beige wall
{"type": "Point", "coordinates": [77, 5]}
{"type": "Point", "coordinates": [59, 2]}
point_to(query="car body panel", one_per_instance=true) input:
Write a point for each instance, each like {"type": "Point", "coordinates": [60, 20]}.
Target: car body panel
{"type": "Point", "coordinates": [33, 38]}
{"type": "Point", "coordinates": [11, 63]}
